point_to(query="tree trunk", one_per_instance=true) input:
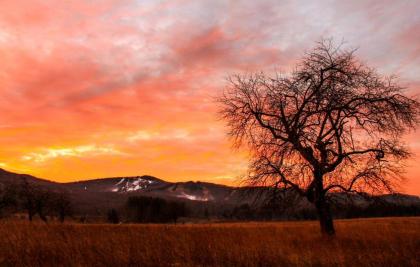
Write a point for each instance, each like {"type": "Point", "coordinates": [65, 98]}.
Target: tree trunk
{"type": "Point", "coordinates": [325, 217]}
{"type": "Point", "coordinates": [317, 196]}
{"type": "Point", "coordinates": [62, 216]}
{"type": "Point", "coordinates": [30, 215]}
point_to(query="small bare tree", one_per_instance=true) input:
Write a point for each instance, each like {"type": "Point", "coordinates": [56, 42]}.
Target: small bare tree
{"type": "Point", "coordinates": [8, 197]}
{"type": "Point", "coordinates": [35, 200]}
{"type": "Point", "coordinates": [62, 205]}
{"type": "Point", "coordinates": [332, 125]}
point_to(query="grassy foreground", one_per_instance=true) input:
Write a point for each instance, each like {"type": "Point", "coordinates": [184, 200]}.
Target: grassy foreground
{"type": "Point", "coordinates": [365, 242]}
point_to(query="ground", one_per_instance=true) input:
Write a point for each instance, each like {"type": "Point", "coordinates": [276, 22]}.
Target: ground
{"type": "Point", "coordinates": [361, 242]}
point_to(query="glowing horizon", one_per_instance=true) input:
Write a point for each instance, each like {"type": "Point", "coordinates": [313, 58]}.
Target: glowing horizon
{"type": "Point", "coordinates": [125, 88]}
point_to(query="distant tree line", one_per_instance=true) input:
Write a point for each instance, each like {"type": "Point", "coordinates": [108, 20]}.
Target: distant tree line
{"type": "Point", "coordinates": [377, 209]}
{"type": "Point", "coordinates": [46, 204]}
{"type": "Point", "coordinates": [34, 201]}
{"type": "Point", "coordinates": [374, 208]}
{"type": "Point", "coordinates": [155, 210]}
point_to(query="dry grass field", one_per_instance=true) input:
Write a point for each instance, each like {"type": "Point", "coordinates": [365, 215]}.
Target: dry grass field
{"type": "Point", "coordinates": [364, 242]}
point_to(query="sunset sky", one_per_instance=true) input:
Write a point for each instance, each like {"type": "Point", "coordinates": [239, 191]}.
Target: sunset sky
{"type": "Point", "coordinates": [92, 88]}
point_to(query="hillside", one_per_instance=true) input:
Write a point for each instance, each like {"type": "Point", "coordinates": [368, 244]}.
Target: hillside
{"type": "Point", "coordinates": [96, 196]}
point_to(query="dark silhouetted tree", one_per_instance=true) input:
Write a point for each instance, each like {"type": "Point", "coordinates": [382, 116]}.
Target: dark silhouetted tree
{"type": "Point", "coordinates": [113, 216]}
{"type": "Point", "coordinates": [150, 209]}
{"type": "Point", "coordinates": [332, 125]}
{"type": "Point", "coordinates": [8, 197]}
{"type": "Point", "coordinates": [35, 200]}
{"type": "Point", "coordinates": [243, 212]}
{"type": "Point", "coordinates": [27, 195]}
{"type": "Point", "coordinates": [61, 205]}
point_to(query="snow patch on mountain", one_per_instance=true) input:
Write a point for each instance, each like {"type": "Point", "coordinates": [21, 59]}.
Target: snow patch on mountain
{"type": "Point", "coordinates": [190, 191]}
{"type": "Point", "coordinates": [132, 185]}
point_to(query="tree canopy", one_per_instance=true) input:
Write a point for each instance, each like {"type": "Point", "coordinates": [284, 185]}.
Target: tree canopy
{"type": "Point", "coordinates": [332, 125]}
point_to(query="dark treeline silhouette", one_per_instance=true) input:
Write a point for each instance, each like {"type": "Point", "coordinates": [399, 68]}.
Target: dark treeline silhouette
{"type": "Point", "coordinates": [246, 212]}
{"type": "Point", "coordinates": [8, 199]}
{"type": "Point", "coordinates": [113, 216]}
{"type": "Point", "coordinates": [43, 203]}
{"type": "Point", "coordinates": [376, 209]}
{"type": "Point", "coordinates": [156, 210]}
{"type": "Point", "coordinates": [34, 201]}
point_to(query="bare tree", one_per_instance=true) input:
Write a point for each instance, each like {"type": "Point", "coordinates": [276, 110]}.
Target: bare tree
{"type": "Point", "coordinates": [8, 197]}
{"type": "Point", "coordinates": [332, 125]}
{"type": "Point", "coordinates": [61, 205]}
{"type": "Point", "coordinates": [27, 196]}
{"type": "Point", "coordinates": [35, 200]}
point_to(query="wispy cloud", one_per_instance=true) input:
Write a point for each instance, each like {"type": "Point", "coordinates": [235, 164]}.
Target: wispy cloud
{"type": "Point", "coordinates": [78, 151]}
{"type": "Point", "coordinates": [170, 135]}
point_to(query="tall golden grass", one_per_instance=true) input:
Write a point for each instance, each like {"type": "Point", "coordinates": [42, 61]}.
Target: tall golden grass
{"type": "Point", "coordinates": [364, 242]}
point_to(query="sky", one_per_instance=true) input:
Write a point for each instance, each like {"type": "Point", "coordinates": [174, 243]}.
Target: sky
{"type": "Point", "coordinates": [108, 88]}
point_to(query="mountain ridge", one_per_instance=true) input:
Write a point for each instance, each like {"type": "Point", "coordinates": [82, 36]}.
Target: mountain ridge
{"type": "Point", "coordinates": [93, 191]}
